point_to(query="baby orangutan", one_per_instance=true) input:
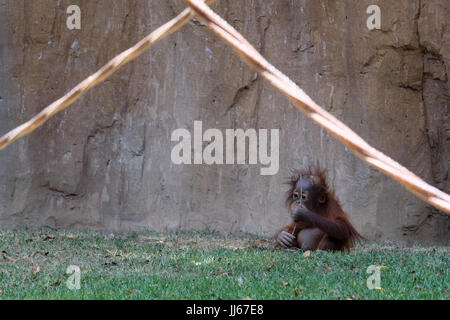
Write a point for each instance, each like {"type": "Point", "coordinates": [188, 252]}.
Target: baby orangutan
{"type": "Point", "coordinates": [319, 223]}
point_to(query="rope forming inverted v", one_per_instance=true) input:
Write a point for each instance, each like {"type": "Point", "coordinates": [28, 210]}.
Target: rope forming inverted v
{"type": "Point", "coordinates": [254, 59]}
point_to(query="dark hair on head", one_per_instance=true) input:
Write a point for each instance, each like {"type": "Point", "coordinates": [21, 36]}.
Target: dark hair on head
{"type": "Point", "coordinates": [316, 172]}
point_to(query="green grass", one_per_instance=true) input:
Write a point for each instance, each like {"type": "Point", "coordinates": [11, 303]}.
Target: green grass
{"type": "Point", "coordinates": [193, 265]}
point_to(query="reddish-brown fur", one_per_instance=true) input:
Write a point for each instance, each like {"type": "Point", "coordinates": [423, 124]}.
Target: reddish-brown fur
{"type": "Point", "coordinates": [330, 210]}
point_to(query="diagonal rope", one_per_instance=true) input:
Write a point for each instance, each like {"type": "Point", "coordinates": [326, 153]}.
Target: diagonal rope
{"type": "Point", "coordinates": [112, 66]}
{"type": "Point", "coordinates": [302, 101]}
{"type": "Point", "coordinates": [305, 104]}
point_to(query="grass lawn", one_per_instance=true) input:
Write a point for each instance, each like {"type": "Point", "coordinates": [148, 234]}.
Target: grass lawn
{"type": "Point", "coordinates": [204, 265]}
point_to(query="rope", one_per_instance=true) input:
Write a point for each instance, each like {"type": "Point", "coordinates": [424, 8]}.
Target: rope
{"type": "Point", "coordinates": [280, 81]}
{"type": "Point", "coordinates": [305, 104]}
{"type": "Point", "coordinates": [112, 66]}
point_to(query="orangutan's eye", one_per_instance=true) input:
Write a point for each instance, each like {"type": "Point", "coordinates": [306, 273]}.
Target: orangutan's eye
{"type": "Point", "coordinates": [295, 195]}
{"type": "Point", "coordinates": [322, 199]}
{"type": "Point", "coordinates": [304, 196]}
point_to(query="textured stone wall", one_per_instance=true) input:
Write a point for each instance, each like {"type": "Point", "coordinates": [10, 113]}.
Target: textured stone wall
{"type": "Point", "coordinates": [105, 162]}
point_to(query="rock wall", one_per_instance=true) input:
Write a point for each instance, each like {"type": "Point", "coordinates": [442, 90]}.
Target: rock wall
{"type": "Point", "coordinates": [105, 162]}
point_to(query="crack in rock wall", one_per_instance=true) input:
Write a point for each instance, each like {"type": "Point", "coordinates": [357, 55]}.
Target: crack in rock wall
{"type": "Point", "coordinates": [105, 162]}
